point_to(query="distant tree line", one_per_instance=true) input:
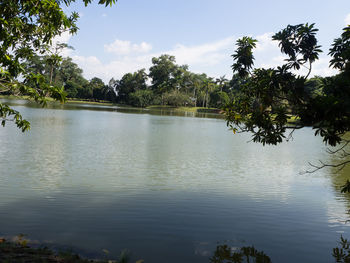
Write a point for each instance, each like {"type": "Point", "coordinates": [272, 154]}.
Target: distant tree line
{"type": "Point", "coordinates": [167, 83]}
{"type": "Point", "coordinates": [67, 74]}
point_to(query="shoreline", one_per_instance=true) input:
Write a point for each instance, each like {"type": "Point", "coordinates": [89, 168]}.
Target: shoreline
{"type": "Point", "coordinates": [19, 251]}
{"type": "Point", "coordinates": [107, 103]}
{"type": "Point", "coordinates": [179, 109]}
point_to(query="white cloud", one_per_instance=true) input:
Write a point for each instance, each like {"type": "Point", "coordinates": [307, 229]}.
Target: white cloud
{"type": "Point", "coordinates": [267, 53]}
{"type": "Point", "coordinates": [129, 59]}
{"type": "Point", "coordinates": [321, 67]}
{"type": "Point", "coordinates": [347, 20]}
{"type": "Point", "coordinates": [93, 67]}
{"type": "Point", "coordinates": [208, 54]}
{"type": "Point", "coordinates": [63, 38]}
{"type": "Point", "coordinates": [121, 47]}
{"type": "Point", "coordinates": [265, 42]}
{"type": "Point", "coordinates": [104, 15]}
{"type": "Point", "coordinates": [212, 58]}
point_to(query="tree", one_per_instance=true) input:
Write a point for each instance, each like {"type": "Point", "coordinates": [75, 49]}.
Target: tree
{"type": "Point", "coordinates": [130, 83]}
{"type": "Point", "coordinates": [26, 29]}
{"type": "Point", "coordinates": [53, 60]}
{"type": "Point", "coordinates": [269, 96]}
{"type": "Point", "coordinates": [66, 73]}
{"type": "Point", "coordinates": [208, 87]}
{"type": "Point", "coordinates": [98, 88]}
{"type": "Point", "coordinates": [111, 92]}
{"type": "Point", "coordinates": [141, 98]}
{"type": "Point", "coordinates": [221, 82]}
{"type": "Point", "coordinates": [314, 86]}
{"type": "Point", "coordinates": [219, 99]}
{"type": "Point", "coordinates": [176, 98]}
{"type": "Point", "coordinates": [194, 86]}
{"type": "Point", "coordinates": [163, 74]}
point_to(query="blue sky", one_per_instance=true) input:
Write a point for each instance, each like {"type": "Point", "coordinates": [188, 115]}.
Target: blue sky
{"type": "Point", "coordinates": [201, 33]}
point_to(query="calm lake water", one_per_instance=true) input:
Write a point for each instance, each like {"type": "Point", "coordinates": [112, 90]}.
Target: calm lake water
{"type": "Point", "coordinates": [168, 188]}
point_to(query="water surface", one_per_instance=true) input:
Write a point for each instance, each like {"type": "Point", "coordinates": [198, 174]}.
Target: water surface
{"type": "Point", "coordinates": [168, 188]}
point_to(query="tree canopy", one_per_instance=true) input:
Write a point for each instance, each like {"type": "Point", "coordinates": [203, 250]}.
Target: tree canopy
{"type": "Point", "coordinates": [168, 83]}
{"type": "Point", "coordinates": [269, 97]}
{"type": "Point", "coordinates": [27, 29]}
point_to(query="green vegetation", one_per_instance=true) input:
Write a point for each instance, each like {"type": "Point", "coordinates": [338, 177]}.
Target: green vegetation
{"type": "Point", "coordinates": [184, 109]}
{"type": "Point", "coordinates": [68, 75]}
{"type": "Point", "coordinates": [31, 66]}
{"type": "Point", "coordinates": [19, 251]}
{"type": "Point", "coordinates": [68, 100]}
{"type": "Point", "coordinates": [261, 101]}
{"type": "Point", "coordinates": [27, 29]}
{"type": "Point", "coordinates": [172, 85]}
{"type": "Point", "coordinates": [255, 100]}
{"type": "Point", "coordinates": [268, 96]}
{"type": "Point", "coordinates": [224, 253]}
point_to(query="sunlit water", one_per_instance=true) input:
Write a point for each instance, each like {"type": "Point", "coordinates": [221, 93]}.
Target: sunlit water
{"type": "Point", "coordinates": [168, 188]}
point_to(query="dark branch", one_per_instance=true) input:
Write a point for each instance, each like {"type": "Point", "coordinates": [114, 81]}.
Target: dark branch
{"type": "Point", "coordinates": [322, 165]}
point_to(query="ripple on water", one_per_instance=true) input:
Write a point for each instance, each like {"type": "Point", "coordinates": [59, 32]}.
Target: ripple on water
{"type": "Point", "coordinates": [104, 179]}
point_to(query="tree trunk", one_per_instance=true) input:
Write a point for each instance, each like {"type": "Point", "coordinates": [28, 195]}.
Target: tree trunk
{"type": "Point", "coordinates": [195, 98]}
{"type": "Point", "coordinates": [206, 99]}
{"type": "Point", "coordinates": [51, 74]}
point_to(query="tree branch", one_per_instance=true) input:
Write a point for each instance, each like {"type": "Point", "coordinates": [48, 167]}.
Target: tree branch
{"type": "Point", "coordinates": [322, 165]}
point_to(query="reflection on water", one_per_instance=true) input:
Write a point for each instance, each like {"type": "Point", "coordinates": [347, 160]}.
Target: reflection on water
{"type": "Point", "coordinates": [123, 109]}
{"type": "Point", "coordinates": [102, 179]}
{"type": "Point", "coordinates": [338, 179]}
{"type": "Point", "coordinates": [225, 254]}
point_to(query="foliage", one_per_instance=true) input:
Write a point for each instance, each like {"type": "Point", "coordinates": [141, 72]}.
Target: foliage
{"type": "Point", "coordinates": [19, 251]}
{"type": "Point", "coordinates": [299, 43]}
{"type": "Point", "coordinates": [219, 99]}
{"type": "Point", "coordinates": [340, 51]}
{"type": "Point", "coordinates": [176, 98]}
{"type": "Point", "coordinates": [314, 86]}
{"type": "Point", "coordinates": [244, 56]}
{"type": "Point", "coordinates": [171, 84]}
{"type": "Point", "coordinates": [130, 83]}
{"type": "Point", "coordinates": [269, 96]}
{"type": "Point", "coordinates": [162, 73]}
{"type": "Point", "coordinates": [179, 88]}
{"type": "Point", "coordinates": [342, 254]}
{"type": "Point", "coordinates": [27, 29]}
{"type": "Point", "coordinates": [141, 98]}
{"type": "Point", "coordinates": [225, 254]}
{"type": "Point", "coordinates": [69, 75]}
{"type": "Point", "coordinates": [98, 88]}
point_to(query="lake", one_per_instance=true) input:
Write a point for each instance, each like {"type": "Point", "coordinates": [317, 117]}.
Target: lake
{"type": "Point", "coordinates": [168, 188]}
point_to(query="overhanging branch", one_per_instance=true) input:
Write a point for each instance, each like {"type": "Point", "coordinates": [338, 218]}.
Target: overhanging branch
{"type": "Point", "coordinates": [322, 165]}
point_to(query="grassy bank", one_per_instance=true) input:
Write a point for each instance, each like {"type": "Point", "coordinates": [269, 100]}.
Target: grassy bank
{"type": "Point", "coordinates": [107, 103]}
{"type": "Point", "coordinates": [291, 119]}
{"type": "Point", "coordinates": [101, 102]}
{"type": "Point", "coordinates": [184, 109]}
